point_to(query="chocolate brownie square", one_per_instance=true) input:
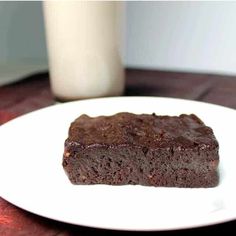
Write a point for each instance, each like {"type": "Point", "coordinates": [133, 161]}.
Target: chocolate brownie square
{"type": "Point", "coordinates": [146, 149]}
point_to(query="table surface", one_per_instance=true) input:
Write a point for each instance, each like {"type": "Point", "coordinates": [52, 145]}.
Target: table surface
{"type": "Point", "coordinates": [33, 93]}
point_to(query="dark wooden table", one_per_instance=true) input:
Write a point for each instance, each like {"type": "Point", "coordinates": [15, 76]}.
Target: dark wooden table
{"type": "Point", "coordinates": [34, 92]}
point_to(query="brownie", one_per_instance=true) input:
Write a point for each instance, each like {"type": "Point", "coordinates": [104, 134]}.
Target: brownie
{"type": "Point", "coordinates": [145, 149]}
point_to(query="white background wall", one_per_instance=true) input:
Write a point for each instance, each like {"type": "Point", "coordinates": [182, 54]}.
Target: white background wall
{"type": "Point", "coordinates": [22, 40]}
{"type": "Point", "coordinates": [192, 36]}
{"type": "Point", "coordinates": [185, 36]}
{"type": "Point", "coordinates": [21, 32]}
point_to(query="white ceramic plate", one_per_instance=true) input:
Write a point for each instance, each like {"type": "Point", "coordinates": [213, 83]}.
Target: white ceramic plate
{"type": "Point", "coordinates": [32, 177]}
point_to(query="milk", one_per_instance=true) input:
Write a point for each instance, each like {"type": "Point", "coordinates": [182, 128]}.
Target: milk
{"type": "Point", "coordinates": [83, 47]}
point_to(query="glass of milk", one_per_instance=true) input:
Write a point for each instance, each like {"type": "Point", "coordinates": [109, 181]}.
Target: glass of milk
{"type": "Point", "coordinates": [83, 40]}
